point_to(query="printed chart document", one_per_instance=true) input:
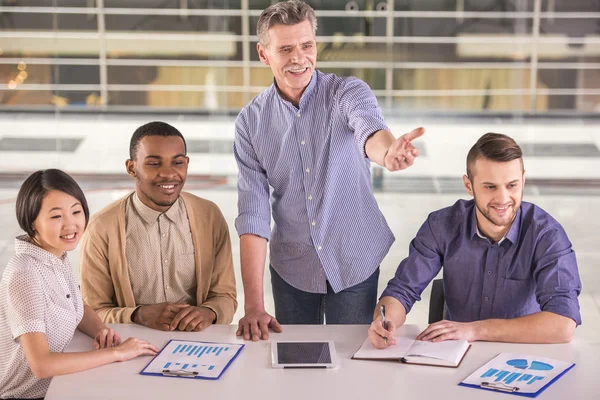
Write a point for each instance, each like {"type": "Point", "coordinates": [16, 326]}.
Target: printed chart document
{"type": "Point", "coordinates": [518, 374]}
{"type": "Point", "coordinates": [188, 359]}
{"type": "Point", "coordinates": [444, 354]}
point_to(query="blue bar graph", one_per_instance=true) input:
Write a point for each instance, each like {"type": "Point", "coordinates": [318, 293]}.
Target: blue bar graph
{"type": "Point", "coordinates": [176, 349]}
{"type": "Point", "coordinates": [197, 350]}
{"type": "Point", "coordinates": [195, 366]}
{"type": "Point", "coordinates": [185, 366]}
{"type": "Point", "coordinates": [192, 350]}
{"type": "Point", "coordinates": [183, 349]}
{"type": "Point", "coordinates": [489, 372]}
{"type": "Point", "coordinates": [500, 375]}
{"type": "Point", "coordinates": [202, 352]}
{"type": "Point", "coordinates": [208, 350]}
{"type": "Point", "coordinates": [211, 367]}
{"type": "Point", "coordinates": [512, 377]}
{"type": "Point", "coordinates": [226, 348]}
{"type": "Point", "coordinates": [525, 377]}
{"type": "Point", "coordinates": [167, 365]}
{"type": "Point", "coordinates": [220, 350]}
{"type": "Point", "coordinates": [508, 377]}
{"type": "Point", "coordinates": [214, 350]}
{"type": "Point", "coordinates": [535, 378]}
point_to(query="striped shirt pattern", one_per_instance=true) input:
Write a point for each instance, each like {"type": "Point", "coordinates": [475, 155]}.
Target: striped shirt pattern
{"type": "Point", "coordinates": [38, 293]}
{"type": "Point", "coordinates": [160, 253]}
{"type": "Point", "coordinates": [327, 224]}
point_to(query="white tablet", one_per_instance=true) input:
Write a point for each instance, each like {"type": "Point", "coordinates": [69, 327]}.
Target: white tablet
{"type": "Point", "coordinates": [303, 354]}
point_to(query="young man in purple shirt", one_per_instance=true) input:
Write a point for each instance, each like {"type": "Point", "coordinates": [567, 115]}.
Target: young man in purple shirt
{"type": "Point", "coordinates": [510, 274]}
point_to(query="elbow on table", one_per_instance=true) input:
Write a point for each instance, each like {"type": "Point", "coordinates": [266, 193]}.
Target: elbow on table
{"type": "Point", "coordinates": [565, 331]}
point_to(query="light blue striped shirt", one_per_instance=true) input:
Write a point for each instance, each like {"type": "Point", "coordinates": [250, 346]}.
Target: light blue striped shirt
{"type": "Point", "coordinates": [327, 225]}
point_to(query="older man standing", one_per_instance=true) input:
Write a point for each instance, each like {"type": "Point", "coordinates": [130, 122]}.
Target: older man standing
{"type": "Point", "coordinates": [310, 138]}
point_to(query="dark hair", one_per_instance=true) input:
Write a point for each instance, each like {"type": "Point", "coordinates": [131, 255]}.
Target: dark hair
{"type": "Point", "coordinates": [494, 147]}
{"type": "Point", "coordinates": [156, 128]}
{"type": "Point", "coordinates": [34, 190]}
{"type": "Point", "coordinates": [290, 12]}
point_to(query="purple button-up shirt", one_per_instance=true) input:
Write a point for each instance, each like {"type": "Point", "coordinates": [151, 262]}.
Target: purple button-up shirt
{"type": "Point", "coordinates": [328, 226]}
{"type": "Point", "coordinates": [532, 269]}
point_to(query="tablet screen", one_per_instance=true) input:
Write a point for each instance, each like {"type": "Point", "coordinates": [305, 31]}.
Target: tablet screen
{"type": "Point", "coordinates": [303, 353]}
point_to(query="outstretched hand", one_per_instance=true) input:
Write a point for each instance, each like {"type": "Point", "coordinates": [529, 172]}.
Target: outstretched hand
{"type": "Point", "coordinates": [402, 153]}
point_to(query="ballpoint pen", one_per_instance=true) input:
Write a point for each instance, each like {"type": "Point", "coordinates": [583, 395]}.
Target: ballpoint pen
{"type": "Point", "coordinates": [382, 310]}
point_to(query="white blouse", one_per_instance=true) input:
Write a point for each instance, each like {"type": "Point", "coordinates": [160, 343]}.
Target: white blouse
{"type": "Point", "coordinates": [38, 293]}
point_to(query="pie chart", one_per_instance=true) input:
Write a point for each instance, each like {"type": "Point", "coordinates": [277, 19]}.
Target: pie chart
{"type": "Point", "coordinates": [521, 363]}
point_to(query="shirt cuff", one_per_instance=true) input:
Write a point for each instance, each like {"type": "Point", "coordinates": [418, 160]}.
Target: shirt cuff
{"type": "Point", "coordinates": [407, 305]}
{"type": "Point", "coordinates": [566, 307]}
{"type": "Point", "coordinates": [371, 127]}
{"type": "Point", "coordinates": [29, 327]}
{"type": "Point", "coordinates": [253, 224]}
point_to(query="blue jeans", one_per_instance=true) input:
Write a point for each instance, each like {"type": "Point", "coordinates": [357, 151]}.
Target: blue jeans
{"type": "Point", "coordinates": [354, 305]}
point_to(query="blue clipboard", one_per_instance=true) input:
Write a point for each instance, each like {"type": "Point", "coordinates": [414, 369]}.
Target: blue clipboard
{"type": "Point", "coordinates": [517, 393]}
{"type": "Point", "coordinates": [192, 349]}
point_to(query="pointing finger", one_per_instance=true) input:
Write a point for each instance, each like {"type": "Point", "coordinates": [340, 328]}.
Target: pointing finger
{"type": "Point", "coordinates": [415, 133]}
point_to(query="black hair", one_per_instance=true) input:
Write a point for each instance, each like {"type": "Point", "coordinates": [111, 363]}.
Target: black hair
{"type": "Point", "coordinates": [34, 190]}
{"type": "Point", "coordinates": [156, 128]}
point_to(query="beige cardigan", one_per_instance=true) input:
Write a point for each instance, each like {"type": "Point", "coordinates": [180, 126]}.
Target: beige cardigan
{"type": "Point", "coordinates": [105, 284]}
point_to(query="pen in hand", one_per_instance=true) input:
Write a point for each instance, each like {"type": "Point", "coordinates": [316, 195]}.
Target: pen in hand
{"type": "Point", "coordinates": [382, 309]}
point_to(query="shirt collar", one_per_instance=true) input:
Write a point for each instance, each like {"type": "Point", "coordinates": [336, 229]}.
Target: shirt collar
{"type": "Point", "coordinates": [24, 245]}
{"type": "Point", "coordinates": [307, 92]}
{"type": "Point", "coordinates": [513, 232]}
{"type": "Point", "coordinates": [150, 216]}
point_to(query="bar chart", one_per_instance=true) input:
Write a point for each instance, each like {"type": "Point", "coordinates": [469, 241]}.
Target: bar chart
{"type": "Point", "coordinates": [508, 377]}
{"type": "Point", "coordinates": [200, 359]}
{"type": "Point", "coordinates": [517, 373]}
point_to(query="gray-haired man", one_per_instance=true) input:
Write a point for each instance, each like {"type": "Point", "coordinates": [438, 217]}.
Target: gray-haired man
{"type": "Point", "coordinates": [310, 137]}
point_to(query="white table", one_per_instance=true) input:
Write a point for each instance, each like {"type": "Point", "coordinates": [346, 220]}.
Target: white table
{"type": "Point", "coordinates": [251, 376]}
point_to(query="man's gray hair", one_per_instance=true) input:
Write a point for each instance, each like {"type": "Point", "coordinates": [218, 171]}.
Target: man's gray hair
{"type": "Point", "coordinates": [290, 12]}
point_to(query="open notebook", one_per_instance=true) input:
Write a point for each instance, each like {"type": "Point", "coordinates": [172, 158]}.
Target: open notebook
{"type": "Point", "coordinates": [444, 354]}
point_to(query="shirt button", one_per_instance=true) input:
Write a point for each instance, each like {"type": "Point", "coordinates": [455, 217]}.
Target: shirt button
{"type": "Point", "coordinates": [486, 299]}
{"type": "Point", "coordinates": [298, 115]}
{"type": "Point", "coordinates": [302, 143]}
{"type": "Point", "coordinates": [319, 248]}
{"type": "Point", "coordinates": [310, 197]}
{"type": "Point", "coordinates": [489, 272]}
{"type": "Point", "coordinates": [307, 169]}
{"type": "Point", "coordinates": [167, 287]}
{"type": "Point", "coordinates": [165, 261]}
{"type": "Point", "coordinates": [314, 223]}
{"type": "Point", "coordinates": [164, 234]}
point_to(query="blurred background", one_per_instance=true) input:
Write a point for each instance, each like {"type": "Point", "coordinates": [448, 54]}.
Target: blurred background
{"type": "Point", "coordinates": [77, 77]}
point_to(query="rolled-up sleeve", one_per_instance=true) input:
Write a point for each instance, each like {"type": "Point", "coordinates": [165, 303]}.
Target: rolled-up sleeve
{"type": "Point", "coordinates": [556, 275]}
{"type": "Point", "coordinates": [26, 304]}
{"type": "Point", "coordinates": [423, 263]}
{"type": "Point", "coordinates": [254, 209]}
{"type": "Point", "coordinates": [359, 105]}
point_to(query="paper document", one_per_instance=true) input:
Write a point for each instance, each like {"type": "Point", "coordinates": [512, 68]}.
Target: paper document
{"type": "Point", "coordinates": [519, 374]}
{"type": "Point", "coordinates": [188, 359]}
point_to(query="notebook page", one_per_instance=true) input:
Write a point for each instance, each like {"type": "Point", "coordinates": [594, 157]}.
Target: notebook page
{"type": "Point", "coordinates": [397, 351]}
{"type": "Point", "coordinates": [449, 350]}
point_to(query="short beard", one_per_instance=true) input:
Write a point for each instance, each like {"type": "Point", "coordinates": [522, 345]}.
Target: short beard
{"type": "Point", "coordinates": [488, 216]}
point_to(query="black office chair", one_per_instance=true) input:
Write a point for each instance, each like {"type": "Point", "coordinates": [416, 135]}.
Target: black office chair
{"type": "Point", "coordinates": [437, 301]}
